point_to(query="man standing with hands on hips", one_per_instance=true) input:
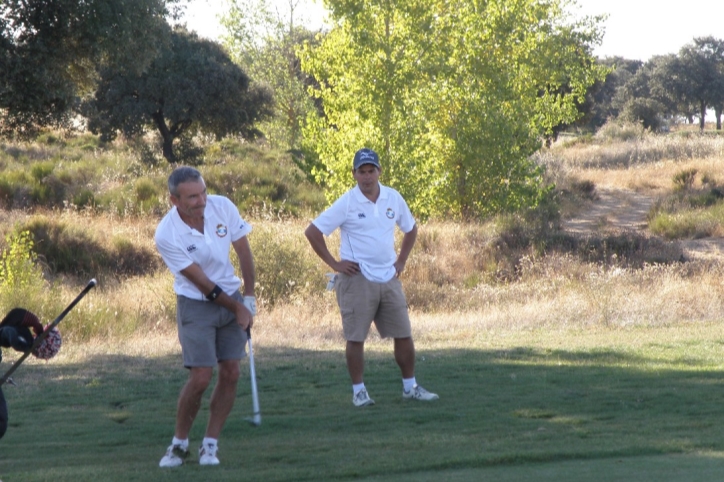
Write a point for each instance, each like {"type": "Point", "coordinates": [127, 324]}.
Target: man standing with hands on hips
{"type": "Point", "coordinates": [367, 284]}
{"type": "Point", "coordinates": [194, 239]}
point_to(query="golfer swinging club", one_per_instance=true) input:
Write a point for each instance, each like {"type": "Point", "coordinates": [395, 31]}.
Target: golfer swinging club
{"type": "Point", "coordinates": [368, 286]}
{"type": "Point", "coordinates": [194, 239]}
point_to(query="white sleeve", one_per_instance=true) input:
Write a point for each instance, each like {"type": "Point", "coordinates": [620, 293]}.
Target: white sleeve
{"type": "Point", "coordinates": [333, 217]}
{"type": "Point", "coordinates": [174, 257]}
{"type": "Point", "coordinates": [405, 221]}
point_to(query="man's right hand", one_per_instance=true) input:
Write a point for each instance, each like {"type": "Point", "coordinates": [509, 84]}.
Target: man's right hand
{"type": "Point", "coordinates": [350, 268]}
{"type": "Point", "coordinates": [244, 317]}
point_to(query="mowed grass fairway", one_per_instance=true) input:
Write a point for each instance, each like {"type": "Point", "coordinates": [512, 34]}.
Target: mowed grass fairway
{"type": "Point", "coordinates": [596, 404]}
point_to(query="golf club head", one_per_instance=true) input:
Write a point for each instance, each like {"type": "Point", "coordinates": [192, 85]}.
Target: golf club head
{"type": "Point", "coordinates": [254, 421]}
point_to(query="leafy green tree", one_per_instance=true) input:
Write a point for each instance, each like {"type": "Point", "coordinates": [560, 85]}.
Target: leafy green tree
{"type": "Point", "coordinates": [695, 76]}
{"type": "Point", "coordinates": [600, 104]}
{"type": "Point", "coordinates": [644, 110]}
{"type": "Point", "coordinates": [712, 50]}
{"type": "Point", "coordinates": [265, 44]}
{"type": "Point", "coordinates": [52, 48]}
{"type": "Point", "coordinates": [454, 95]}
{"type": "Point", "coordinates": [192, 86]}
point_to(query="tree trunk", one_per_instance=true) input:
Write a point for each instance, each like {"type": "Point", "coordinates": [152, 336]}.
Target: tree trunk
{"type": "Point", "coordinates": [166, 134]}
{"type": "Point", "coordinates": [717, 114]}
{"type": "Point", "coordinates": [703, 115]}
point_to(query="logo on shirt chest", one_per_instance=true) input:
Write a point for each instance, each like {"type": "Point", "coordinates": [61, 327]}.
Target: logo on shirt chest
{"type": "Point", "coordinates": [221, 230]}
{"type": "Point", "coordinates": [191, 248]}
{"type": "Point", "coordinates": [390, 213]}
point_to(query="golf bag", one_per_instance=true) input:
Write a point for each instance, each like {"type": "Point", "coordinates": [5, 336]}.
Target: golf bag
{"type": "Point", "coordinates": [18, 331]}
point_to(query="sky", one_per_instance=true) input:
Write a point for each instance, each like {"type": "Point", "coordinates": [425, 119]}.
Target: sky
{"type": "Point", "coordinates": [634, 29]}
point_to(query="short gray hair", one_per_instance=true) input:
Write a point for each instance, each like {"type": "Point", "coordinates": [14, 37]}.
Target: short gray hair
{"type": "Point", "coordinates": [180, 175]}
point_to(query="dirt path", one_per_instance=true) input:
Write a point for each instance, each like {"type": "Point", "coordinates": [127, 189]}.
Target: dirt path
{"type": "Point", "coordinates": [619, 210]}
{"type": "Point", "coordinates": [613, 210]}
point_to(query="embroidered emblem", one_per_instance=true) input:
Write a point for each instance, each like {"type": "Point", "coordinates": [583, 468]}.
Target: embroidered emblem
{"type": "Point", "coordinates": [191, 248]}
{"type": "Point", "coordinates": [361, 215]}
{"type": "Point", "coordinates": [390, 213]}
{"type": "Point", "coordinates": [221, 230]}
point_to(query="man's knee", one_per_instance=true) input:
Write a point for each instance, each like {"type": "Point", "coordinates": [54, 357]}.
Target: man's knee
{"type": "Point", "coordinates": [229, 371]}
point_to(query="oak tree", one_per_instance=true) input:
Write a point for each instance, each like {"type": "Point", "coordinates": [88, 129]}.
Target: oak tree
{"type": "Point", "coordinates": [191, 86]}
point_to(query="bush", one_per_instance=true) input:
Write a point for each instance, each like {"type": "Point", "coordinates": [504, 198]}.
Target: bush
{"type": "Point", "coordinates": [72, 250]}
{"type": "Point", "coordinates": [684, 179]}
{"type": "Point", "coordinates": [21, 275]}
{"type": "Point", "coordinates": [616, 130]}
{"type": "Point", "coordinates": [286, 267]}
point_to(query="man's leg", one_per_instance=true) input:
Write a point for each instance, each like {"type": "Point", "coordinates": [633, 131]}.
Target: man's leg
{"type": "Point", "coordinates": [405, 356]}
{"type": "Point", "coordinates": [356, 361]}
{"type": "Point", "coordinates": [222, 400]}
{"type": "Point", "coordinates": [189, 400]}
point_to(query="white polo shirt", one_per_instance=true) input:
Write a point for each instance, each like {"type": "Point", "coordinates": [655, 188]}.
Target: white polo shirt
{"type": "Point", "coordinates": [180, 246]}
{"type": "Point", "coordinates": [367, 229]}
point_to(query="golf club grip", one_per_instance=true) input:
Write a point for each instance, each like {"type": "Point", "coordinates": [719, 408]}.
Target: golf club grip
{"type": "Point", "coordinates": [39, 339]}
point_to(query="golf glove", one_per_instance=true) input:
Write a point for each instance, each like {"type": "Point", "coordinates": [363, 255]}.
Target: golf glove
{"type": "Point", "coordinates": [250, 304]}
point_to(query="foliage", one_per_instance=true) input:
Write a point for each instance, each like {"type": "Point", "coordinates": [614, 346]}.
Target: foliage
{"type": "Point", "coordinates": [192, 86]}
{"type": "Point", "coordinates": [646, 111]}
{"type": "Point", "coordinates": [453, 95]}
{"type": "Point", "coordinates": [52, 48]}
{"type": "Point", "coordinates": [81, 173]}
{"type": "Point", "coordinates": [601, 101]}
{"type": "Point", "coordinates": [76, 251]}
{"type": "Point", "coordinates": [21, 274]}
{"type": "Point", "coordinates": [693, 78]}
{"type": "Point", "coordinates": [286, 269]}
{"type": "Point", "coordinates": [266, 45]}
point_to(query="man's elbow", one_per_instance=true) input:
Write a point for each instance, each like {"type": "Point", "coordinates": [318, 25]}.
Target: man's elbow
{"type": "Point", "coordinates": [312, 232]}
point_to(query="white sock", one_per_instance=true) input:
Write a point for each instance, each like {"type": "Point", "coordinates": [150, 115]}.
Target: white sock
{"type": "Point", "coordinates": [210, 441]}
{"type": "Point", "coordinates": [357, 387]}
{"type": "Point", "coordinates": [184, 444]}
{"type": "Point", "coordinates": [408, 384]}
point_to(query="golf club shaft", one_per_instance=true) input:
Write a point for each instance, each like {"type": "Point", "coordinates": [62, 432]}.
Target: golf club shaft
{"type": "Point", "coordinates": [39, 339]}
{"type": "Point", "coordinates": [256, 419]}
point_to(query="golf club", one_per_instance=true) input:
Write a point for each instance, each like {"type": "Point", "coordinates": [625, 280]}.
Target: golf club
{"type": "Point", "coordinates": [39, 339]}
{"type": "Point", "coordinates": [254, 420]}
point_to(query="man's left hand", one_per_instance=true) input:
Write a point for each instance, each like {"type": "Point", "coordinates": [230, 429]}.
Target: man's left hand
{"type": "Point", "coordinates": [250, 304]}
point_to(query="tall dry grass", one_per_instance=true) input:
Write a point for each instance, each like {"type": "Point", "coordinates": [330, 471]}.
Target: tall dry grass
{"type": "Point", "coordinates": [463, 281]}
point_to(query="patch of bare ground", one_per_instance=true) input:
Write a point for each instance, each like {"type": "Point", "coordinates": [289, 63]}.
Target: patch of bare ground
{"type": "Point", "coordinates": [617, 210]}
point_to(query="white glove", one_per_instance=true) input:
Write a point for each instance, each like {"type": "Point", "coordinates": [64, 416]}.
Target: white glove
{"type": "Point", "coordinates": [250, 304]}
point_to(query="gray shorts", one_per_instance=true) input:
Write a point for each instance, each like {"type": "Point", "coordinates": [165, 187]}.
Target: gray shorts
{"type": "Point", "coordinates": [362, 301]}
{"type": "Point", "coordinates": [208, 332]}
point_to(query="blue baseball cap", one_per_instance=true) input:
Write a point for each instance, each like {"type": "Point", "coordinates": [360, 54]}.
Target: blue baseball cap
{"type": "Point", "coordinates": [366, 156]}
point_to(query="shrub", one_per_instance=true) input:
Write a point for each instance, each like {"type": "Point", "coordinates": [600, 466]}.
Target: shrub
{"type": "Point", "coordinates": [684, 179]}
{"type": "Point", "coordinates": [616, 130]}
{"type": "Point", "coordinates": [286, 267]}
{"type": "Point", "coordinates": [21, 274]}
{"type": "Point", "coordinates": [72, 250]}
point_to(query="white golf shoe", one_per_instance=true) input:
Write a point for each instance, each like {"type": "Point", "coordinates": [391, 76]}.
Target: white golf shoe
{"type": "Point", "coordinates": [362, 399]}
{"type": "Point", "coordinates": [207, 454]}
{"type": "Point", "coordinates": [175, 455]}
{"type": "Point", "coordinates": [419, 393]}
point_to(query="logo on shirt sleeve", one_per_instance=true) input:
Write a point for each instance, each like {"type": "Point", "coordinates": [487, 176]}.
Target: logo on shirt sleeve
{"type": "Point", "coordinates": [221, 230]}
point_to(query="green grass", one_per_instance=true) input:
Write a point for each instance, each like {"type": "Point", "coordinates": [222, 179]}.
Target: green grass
{"type": "Point", "coordinates": [553, 405]}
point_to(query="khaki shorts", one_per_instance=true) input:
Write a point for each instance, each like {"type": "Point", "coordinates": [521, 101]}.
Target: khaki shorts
{"type": "Point", "coordinates": [362, 301]}
{"type": "Point", "coordinates": [208, 332]}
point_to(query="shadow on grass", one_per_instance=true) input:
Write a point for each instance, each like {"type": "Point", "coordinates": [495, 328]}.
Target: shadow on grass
{"type": "Point", "coordinates": [518, 411]}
